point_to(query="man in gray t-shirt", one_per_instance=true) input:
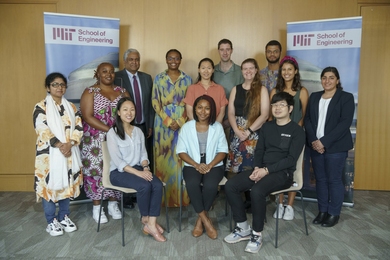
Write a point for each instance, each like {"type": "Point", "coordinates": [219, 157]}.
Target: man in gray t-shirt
{"type": "Point", "coordinates": [226, 72]}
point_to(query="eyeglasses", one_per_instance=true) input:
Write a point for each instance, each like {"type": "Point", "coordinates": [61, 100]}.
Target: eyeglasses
{"type": "Point", "coordinates": [276, 105]}
{"type": "Point", "coordinates": [57, 85]}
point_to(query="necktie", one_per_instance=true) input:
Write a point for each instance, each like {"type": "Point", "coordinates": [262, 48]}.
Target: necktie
{"type": "Point", "coordinates": [138, 104]}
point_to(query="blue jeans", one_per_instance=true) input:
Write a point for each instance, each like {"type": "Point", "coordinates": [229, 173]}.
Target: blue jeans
{"type": "Point", "coordinates": [49, 207]}
{"type": "Point", "coordinates": [328, 170]}
{"type": "Point", "coordinates": [149, 193]}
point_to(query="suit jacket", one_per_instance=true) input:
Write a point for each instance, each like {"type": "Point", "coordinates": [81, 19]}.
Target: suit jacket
{"type": "Point", "coordinates": [338, 120]}
{"type": "Point", "coordinates": [122, 79]}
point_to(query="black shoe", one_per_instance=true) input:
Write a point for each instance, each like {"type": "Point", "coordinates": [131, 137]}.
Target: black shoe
{"type": "Point", "coordinates": [128, 204]}
{"type": "Point", "coordinates": [330, 221]}
{"type": "Point", "coordinates": [320, 218]}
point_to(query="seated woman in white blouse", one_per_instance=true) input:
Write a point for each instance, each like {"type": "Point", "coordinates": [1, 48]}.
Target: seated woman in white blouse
{"type": "Point", "coordinates": [130, 166]}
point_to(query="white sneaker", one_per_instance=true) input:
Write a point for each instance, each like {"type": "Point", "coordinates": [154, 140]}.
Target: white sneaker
{"type": "Point", "coordinates": [95, 215]}
{"type": "Point", "coordinates": [288, 213]}
{"type": "Point", "coordinates": [114, 211]}
{"type": "Point", "coordinates": [254, 244]}
{"type": "Point", "coordinates": [238, 235]}
{"type": "Point", "coordinates": [68, 225]}
{"type": "Point", "coordinates": [281, 211]}
{"type": "Point", "coordinates": [54, 228]}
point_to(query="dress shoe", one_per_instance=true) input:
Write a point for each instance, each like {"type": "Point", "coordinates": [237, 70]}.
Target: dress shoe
{"type": "Point", "coordinates": [330, 221]}
{"type": "Point", "coordinates": [198, 229]}
{"type": "Point", "coordinates": [208, 225]}
{"type": "Point", "coordinates": [159, 228]}
{"type": "Point", "coordinates": [156, 235]}
{"type": "Point", "coordinates": [320, 218]}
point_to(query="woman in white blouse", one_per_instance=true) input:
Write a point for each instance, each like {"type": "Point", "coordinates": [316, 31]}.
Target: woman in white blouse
{"type": "Point", "coordinates": [130, 166]}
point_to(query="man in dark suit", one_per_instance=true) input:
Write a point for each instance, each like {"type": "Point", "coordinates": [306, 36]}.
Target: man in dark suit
{"type": "Point", "coordinates": [139, 85]}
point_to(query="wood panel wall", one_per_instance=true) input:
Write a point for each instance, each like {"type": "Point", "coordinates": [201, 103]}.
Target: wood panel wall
{"type": "Point", "coordinates": [372, 161]}
{"type": "Point", "coordinates": [153, 27]}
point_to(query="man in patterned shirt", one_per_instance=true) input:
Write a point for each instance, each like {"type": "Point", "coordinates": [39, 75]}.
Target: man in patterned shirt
{"type": "Point", "coordinates": [269, 74]}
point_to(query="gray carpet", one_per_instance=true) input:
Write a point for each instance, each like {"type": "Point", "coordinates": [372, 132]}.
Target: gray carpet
{"type": "Point", "coordinates": [362, 233]}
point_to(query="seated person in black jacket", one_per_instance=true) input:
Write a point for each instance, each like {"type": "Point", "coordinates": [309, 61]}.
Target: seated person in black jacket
{"type": "Point", "coordinates": [280, 143]}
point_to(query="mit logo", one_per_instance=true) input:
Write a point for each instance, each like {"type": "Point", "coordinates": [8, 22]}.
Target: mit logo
{"type": "Point", "coordinates": [63, 33]}
{"type": "Point", "coordinates": [302, 40]}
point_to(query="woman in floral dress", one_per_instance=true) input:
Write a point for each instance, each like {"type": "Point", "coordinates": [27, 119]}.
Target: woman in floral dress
{"type": "Point", "coordinates": [248, 110]}
{"type": "Point", "coordinates": [169, 90]}
{"type": "Point", "coordinates": [98, 108]}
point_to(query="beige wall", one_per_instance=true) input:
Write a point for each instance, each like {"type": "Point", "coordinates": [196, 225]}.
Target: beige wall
{"type": "Point", "coordinates": [153, 27]}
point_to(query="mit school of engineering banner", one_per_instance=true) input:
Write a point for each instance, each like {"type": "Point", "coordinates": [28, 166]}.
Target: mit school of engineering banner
{"type": "Point", "coordinates": [75, 45]}
{"type": "Point", "coordinates": [319, 44]}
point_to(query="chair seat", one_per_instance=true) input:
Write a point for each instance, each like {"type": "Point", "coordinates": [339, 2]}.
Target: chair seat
{"type": "Point", "coordinates": [122, 189]}
{"type": "Point", "coordinates": [118, 188]}
{"type": "Point", "coordinates": [223, 181]}
{"type": "Point", "coordinates": [292, 188]}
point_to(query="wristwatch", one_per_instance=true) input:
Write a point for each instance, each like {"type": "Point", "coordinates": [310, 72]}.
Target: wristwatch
{"type": "Point", "coordinates": [72, 143]}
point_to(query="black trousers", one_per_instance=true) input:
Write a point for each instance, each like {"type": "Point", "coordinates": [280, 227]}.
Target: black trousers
{"type": "Point", "coordinates": [259, 192]}
{"type": "Point", "coordinates": [202, 197]}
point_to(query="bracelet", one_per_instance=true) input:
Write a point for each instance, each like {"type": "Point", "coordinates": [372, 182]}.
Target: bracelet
{"type": "Point", "coordinates": [250, 130]}
{"type": "Point", "coordinates": [266, 170]}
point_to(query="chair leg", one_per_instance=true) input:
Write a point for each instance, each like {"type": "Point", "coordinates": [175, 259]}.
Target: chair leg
{"type": "Point", "coordinates": [166, 208]}
{"type": "Point", "coordinates": [181, 203]}
{"type": "Point", "coordinates": [277, 224]}
{"type": "Point", "coordinates": [304, 214]}
{"type": "Point", "coordinates": [226, 207]}
{"type": "Point", "coordinates": [231, 219]}
{"type": "Point", "coordinates": [123, 222]}
{"type": "Point", "coordinates": [100, 210]}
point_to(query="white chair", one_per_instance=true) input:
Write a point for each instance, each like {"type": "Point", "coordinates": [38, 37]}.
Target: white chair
{"type": "Point", "coordinates": [108, 186]}
{"type": "Point", "coordinates": [183, 184]}
{"type": "Point", "coordinates": [298, 184]}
